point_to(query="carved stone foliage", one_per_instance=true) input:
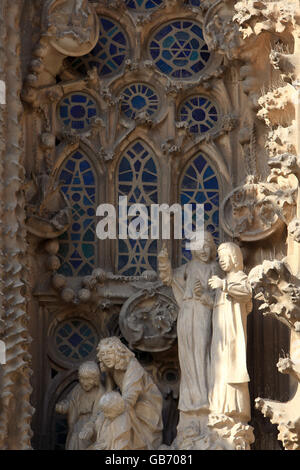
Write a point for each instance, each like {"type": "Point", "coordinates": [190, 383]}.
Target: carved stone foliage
{"type": "Point", "coordinates": [255, 210]}
{"type": "Point", "coordinates": [148, 320]}
{"type": "Point", "coordinates": [279, 291]}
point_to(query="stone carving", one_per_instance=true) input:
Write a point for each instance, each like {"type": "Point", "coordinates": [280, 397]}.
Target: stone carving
{"type": "Point", "coordinates": [229, 395]}
{"type": "Point", "coordinates": [72, 26]}
{"type": "Point", "coordinates": [81, 404]}
{"type": "Point", "coordinates": [278, 290]}
{"type": "Point", "coordinates": [256, 209]}
{"type": "Point", "coordinates": [195, 300]}
{"type": "Point", "coordinates": [48, 209]}
{"type": "Point", "coordinates": [143, 400]}
{"type": "Point", "coordinates": [255, 17]}
{"type": "Point", "coordinates": [112, 424]}
{"type": "Point", "coordinates": [285, 415]}
{"type": "Point", "coordinates": [277, 106]}
{"type": "Point", "coordinates": [16, 374]}
{"type": "Point", "coordinates": [148, 320]}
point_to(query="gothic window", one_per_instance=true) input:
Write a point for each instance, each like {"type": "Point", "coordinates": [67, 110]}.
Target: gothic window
{"type": "Point", "coordinates": [78, 245]}
{"type": "Point", "coordinates": [178, 49]}
{"type": "Point", "coordinates": [76, 110]}
{"type": "Point", "coordinates": [75, 340]}
{"type": "Point", "coordinates": [199, 185]}
{"type": "Point", "coordinates": [110, 52]}
{"type": "Point", "coordinates": [200, 113]}
{"type": "Point", "coordinates": [138, 98]}
{"type": "Point", "coordinates": [138, 180]}
{"type": "Point", "coordinates": [143, 5]}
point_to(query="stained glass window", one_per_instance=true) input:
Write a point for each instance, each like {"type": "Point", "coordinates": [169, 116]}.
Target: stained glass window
{"type": "Point", "coordinates": [110, 52]}
{"type": "Point", "coordinates": [178, 49]}
{"type": "Point", "coordinates": [143, 5]}
{"type": "Point", "coordinates": [76, 111]}
{"type": "Point", "coordinates": [194, 3]}
{"type": "Point", "coordinates": [200, 113]}
{"type": "Point", "coordinates": [75, 339]}
{"type": "Point", "coordinates": [138, 180]}
{"type": "Point", "coordinates": [199, 185]}
{"type": "Point", "coordinates": [78, 244]}
{"type": "Point", "coordinates": [139, 97]}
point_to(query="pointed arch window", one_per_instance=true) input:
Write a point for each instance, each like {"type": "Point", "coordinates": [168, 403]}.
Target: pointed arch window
{"type": "Point", "coordinates": [199, 185]}
{"type": "Point", "coordinates": [138, 181]}
{"type": "Point", "coordinates": [78, 245]}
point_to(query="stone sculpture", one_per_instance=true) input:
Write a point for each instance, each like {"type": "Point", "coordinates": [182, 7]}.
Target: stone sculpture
{"type": "Point", "coordinates": [142, 399]}
{"type": "Point", "coordinates": [229, 395]}
{"type": "Point", "coordinates": [195, 298]}
{"type": "Point", "coordinates": [112, 426]}
{"type": "Point", "coordinates": [81, 404]}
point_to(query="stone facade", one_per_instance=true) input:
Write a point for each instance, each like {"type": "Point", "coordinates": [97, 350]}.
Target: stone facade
{"type": "Point", "coordinates": [165, 101]}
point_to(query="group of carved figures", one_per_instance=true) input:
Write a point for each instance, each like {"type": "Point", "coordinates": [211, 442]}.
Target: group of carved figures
{"type": "Point", "coordinates": [214, 402]}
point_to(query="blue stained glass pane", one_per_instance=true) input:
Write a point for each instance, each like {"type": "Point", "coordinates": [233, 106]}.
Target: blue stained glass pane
{"type": "Point", "coordinates": [208, 172]}
{"type": "Point", "coordinates": [88, 178]}
{"type": "Point", "coordinates": [63, 112]}
{"type": "Point", "coordinates": [86, 270]}
{"type": "Point", "coordinates": [212, 183]}
{"type": "Point", "coordinates": [178, 49]}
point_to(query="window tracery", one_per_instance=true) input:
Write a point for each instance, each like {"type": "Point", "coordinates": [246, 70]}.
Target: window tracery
{"type": "Point", "coordinates": [110, 52]}
{"type": "Point", "coordinates": [200, 113]}
{"type": "Point", "coordinates": [178, 49]}
{"type": "Point", "coordinates": [138, 180]}
{"type": "Point", "coordinates": [138, 98]}
{"type": "Point", "coordinates": [199, 185]}
{"type": "Point", "coordinates": [78, 245]}
{"type": "Point", "coordinates": [143, 5]}
{"type": "Point", "coordinates": [76, 111]}
{"type": "Point", "coordinates": [75, 339]}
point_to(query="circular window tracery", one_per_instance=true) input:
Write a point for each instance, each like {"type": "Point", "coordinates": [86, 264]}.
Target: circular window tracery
{"type": "Point", "coordinates": [200, 113]}
{"type": "Point", "coordinates": [75, 340]}
{"type": "Point", "coordinates": [110, 52]}
{"type": "Point", "coordinates": [77, 110]}
{"type": "Point", "coordinates": [179, 50]}
{"type": "Point", "coordinates": [137, 98]}
{"type": "Point", "coordinates": [143, 5]}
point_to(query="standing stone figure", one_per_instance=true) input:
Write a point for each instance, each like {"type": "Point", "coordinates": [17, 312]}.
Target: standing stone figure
{"type": "Point", "coordinates": [229, 394]}
{"type": "Point", "coordinates": [195, 299]}
{"type": "Point", "coordinates": [81, 403]}
{"type": "Point", "coordinates": [142, 399]}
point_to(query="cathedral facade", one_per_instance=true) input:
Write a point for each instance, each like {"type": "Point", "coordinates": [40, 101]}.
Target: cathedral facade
{"type": "Point", "coordinates": [171, 102]}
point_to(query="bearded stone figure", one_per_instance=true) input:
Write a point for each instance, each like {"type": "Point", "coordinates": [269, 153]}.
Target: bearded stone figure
{"type": "Point", "coordinates": [81, 404]}
{"type": "Point", "coordinates": [195, 299]}
{"type": "Point", "coordinates": [229, 392]}
{"type": "Point", "coordinates": [141, 416]}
